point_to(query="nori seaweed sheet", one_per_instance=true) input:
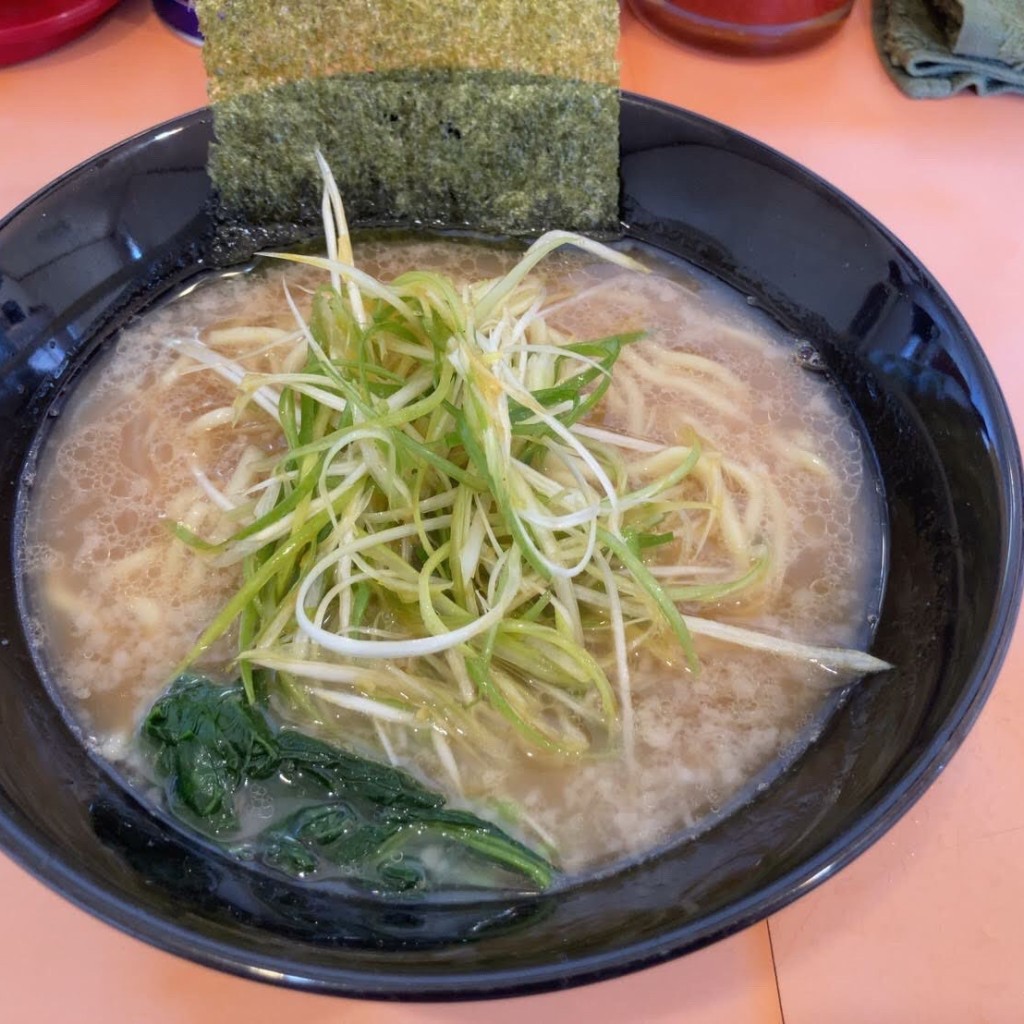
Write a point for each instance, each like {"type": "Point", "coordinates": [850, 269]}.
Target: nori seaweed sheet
{"type": "Point", "coordinates": [490, 151]}
{"type": "Point", "coordinates": [253, 44]}
{"type": "Point", "coordinates": [493, 115]}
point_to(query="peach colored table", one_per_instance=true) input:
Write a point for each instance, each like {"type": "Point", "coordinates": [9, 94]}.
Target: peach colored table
{"type": "Point", "coordinates": [924, 927]}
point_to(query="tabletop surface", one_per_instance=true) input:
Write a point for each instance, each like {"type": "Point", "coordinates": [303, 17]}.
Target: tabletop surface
{"type": "Point", "coordinates": [925, 926]}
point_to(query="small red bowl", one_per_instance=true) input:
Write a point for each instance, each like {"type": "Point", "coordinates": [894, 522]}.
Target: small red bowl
{"type": "Point", "coordinates": [29, 28]}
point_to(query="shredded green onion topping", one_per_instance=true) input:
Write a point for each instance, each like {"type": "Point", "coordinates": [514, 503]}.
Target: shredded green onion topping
{"type": "Point", "coordinates": [445, 539]}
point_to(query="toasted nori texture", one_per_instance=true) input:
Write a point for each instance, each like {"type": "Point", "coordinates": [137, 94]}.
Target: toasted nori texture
{"type": "Point", "coordinates": [492, 151]}
{"type": "Point", "coordinates": [493, 115]}
{"type": "Point", "coordinates": [253, 44]}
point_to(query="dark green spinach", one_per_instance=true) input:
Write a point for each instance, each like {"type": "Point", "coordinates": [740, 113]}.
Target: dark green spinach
{"type": "Point", "coordinates": [368, 821]}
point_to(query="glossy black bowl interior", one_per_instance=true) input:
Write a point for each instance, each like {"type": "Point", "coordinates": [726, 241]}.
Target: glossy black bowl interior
{"type": "Point", "coordinates": [107, 239]}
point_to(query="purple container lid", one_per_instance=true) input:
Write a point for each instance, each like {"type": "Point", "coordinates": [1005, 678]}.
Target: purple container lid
{"type": "Point", "coordinates": [181, 16]}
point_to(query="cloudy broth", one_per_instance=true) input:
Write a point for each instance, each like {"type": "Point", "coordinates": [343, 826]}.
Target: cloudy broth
{"type": "Point", "coordinates": [118, 601]}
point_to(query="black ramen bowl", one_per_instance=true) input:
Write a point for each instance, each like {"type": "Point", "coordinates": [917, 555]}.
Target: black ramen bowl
{"type": "Point", "coordinates": [109, 238]}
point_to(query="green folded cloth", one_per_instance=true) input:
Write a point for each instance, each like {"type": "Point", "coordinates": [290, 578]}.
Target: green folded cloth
{"type": "Point", "coordinates": [934, 48]}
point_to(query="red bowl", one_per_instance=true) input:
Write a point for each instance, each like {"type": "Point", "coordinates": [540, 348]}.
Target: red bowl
{"type": "Point", "coordinates": [29, 28]}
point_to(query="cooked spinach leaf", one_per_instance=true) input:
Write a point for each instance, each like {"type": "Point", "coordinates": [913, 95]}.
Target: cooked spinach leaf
{"type": "Point", "coordinates": [371, 823]}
